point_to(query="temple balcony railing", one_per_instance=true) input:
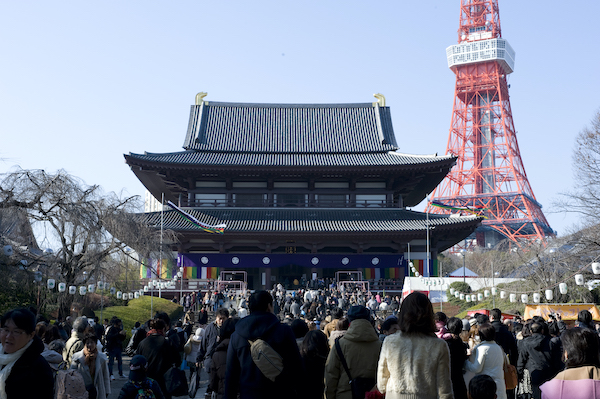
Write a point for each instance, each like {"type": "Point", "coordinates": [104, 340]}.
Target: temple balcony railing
{"type": "Point", "coordinates": [287, 204]}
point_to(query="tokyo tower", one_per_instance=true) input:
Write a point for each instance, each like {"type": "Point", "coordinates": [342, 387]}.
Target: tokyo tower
{"type": "Point", "coordinates": [489, 173]}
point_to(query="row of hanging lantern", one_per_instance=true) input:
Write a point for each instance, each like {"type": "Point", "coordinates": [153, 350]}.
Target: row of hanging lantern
{"type": "Point", "coordinates": [90, 288]}
{"type": "Point", "coordinates": [536, 296]}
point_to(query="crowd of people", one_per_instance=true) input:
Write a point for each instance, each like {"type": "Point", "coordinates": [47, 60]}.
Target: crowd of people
{"type": "Point", "coordinates": [323, 343]}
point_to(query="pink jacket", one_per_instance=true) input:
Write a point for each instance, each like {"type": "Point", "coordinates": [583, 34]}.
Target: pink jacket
{"type": "Point", "coordinates": [574, 383]}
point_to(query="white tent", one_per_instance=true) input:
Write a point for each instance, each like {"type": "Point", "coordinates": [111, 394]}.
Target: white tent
{"type": "Point", "coordinates": [463, 272]}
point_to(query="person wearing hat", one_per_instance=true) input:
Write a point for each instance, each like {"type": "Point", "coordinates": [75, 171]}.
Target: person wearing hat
{"type": "Point", "coordinates": [138, 380]}
{"type": "Point", "coordinates": [360, 348]}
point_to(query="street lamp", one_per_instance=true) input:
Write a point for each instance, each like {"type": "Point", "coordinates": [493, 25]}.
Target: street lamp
{"type": "Point", "coordinates": [463, 252]}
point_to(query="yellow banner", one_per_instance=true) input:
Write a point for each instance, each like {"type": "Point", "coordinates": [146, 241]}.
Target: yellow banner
{"type": "Point", "coordinates": [567, 311]}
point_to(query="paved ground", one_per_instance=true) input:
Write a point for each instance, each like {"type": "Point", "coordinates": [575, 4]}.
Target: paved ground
{"type": "Point", "coordinates": [118, 383]}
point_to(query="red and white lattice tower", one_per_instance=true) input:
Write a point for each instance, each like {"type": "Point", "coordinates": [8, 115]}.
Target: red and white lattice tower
{"type": "Point", "coordinates": [489, 172]}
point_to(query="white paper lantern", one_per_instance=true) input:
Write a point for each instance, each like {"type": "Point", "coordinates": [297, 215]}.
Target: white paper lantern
{"type": "Point", "coordinates": [91, 288]}
{"type": "Point", "coordinates": [536, 297]}
{"type": "Point", "coordinates": [62, 287]}
{"type": "Point", "coordinates": [579, 279]}
{"type": "Point", "coordinates": [513, 297]}
{"type": "Point", "coordinates": [100, 285]}
{"type": "Point", "coordinates": [146, 289]}
{"type": "Point", "coordinates": [456, 294]}
{"type": "Point", "coordinates": [119, 295]}
{"type": "Point", "coordinates": [82, 290]}
{"type": "Point", "coordinates": [503, 294]}
{"type": "Point", "coordinates": [468, 298]}
{"type": "Point", "coordinates": [113, 290]}
{"type": "Point", "coordinates": [461, 296]}
{"type": "Point", "coordinates": [51, 283]}
{"type": "Point", "coordinates": [130, 295]}
{"type": "Point", "coordinates": [161, 285]}
{"type": "Point", "coordinates": [562, 287]}
{"type": "Point", "coordinates": [417, 274]}
{"type": "Point", "coordinates": [136, 294]}
{"type": "Point", "coordinates": [494, 291]}
{"type": "Point", "coordinates": [154, 283]}
{"type": "Point", "coordinates": [486, 293]}
{"type": "Point", "coordinates": [72, 289]}
{"type": "Point", "coordinates": [473, 297]}
{"type": "Point", "coordinates": [480, 297]}
{"type": "Point", "coordinates": [596, 267]}
{"type": "Point", "coordinates": [549, 295]}
{"type": "Point", "coordinates": [451, 290]}
{"type": "Point", "coordinates": [524, 298]}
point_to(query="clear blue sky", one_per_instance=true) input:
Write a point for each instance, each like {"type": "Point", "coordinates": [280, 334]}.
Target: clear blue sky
{"type": "Point", "coordinates": [82, 83]}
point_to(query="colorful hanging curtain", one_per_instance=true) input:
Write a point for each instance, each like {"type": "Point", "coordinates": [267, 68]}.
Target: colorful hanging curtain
{"type": "Point", "coordinates": [477, 211]}
{"type": "Point", "coordinates": [218, 229]}
{"type": "Point", "coordinates": [156, 268]}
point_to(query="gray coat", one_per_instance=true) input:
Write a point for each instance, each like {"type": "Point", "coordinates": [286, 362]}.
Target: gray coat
{"type": "Point", "coordinates": [101, 378]}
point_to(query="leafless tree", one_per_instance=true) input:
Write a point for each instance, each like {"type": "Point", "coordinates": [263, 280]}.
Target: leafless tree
{"type": "Point", "coordinates": [88, 227]}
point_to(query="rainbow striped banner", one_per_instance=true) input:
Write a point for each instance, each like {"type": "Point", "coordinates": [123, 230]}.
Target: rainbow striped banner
{"type": "Point", "coordinates": [157, 268]}
{"type": "Point", "coordinates": [204, 273]}
{"type": "Point", "coordinates": [218, 229]}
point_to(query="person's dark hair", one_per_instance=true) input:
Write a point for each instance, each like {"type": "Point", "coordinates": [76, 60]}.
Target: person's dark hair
{"type": "Point", "coordinates": [22, 317]}
{"type": "Point", "coordinates": [115, 321]}
{"type": "Point", "coordinates": [496, 314]}
{"type": "Point", "coordinates": [314, 345]}
{"type": "Point", "coordinates": [337, 313]}
{"type": "Point", "coordinates": [581, 345]}
{"type": "Point", "coordinates": [487, 332]}
{"type": "Point", "coordinates": [158, 324]}
{"type": "Point", "coordinates": [228, 328]}
{"type": "Point", "coordinates": [416, 314]}
{"type": "Point", "coordinates": [299, 328]}
{"type": "Point", "coordinates": [91, 337]}
{"type": "Point", "coordinates": [222, 312]}
{"type": "Point", "coordinates": [454, 325]}
{"type": "Point", "coordinates": [553, 329]}
{"type": "Point", "coordinates": [526, 332]}
{"type": "Point", "coordinates": [137, 324]}
{"type": "Point", "coordinates": [51, 334]}
{"type": "Point", "coordinates": [440, 316]}
{"type": "Point", "coordinates": [584, 316]}
{"type": "Point", "coordinates": [259, 301]}
{"type": "Point", "coordinates": [388, 323]}
{"type": "Point", "coordinates": [537, 328]}
{"type": "Point", "coordinates": [482, 386]}
{"type": "Point", "coordinates": [342, 324]}
{"type": "Point", "coordinates": [164, 317]}
{"type": "Point", "coordinates": [40, 329]}
{"type": "Point", "coordinates": [482, 319]}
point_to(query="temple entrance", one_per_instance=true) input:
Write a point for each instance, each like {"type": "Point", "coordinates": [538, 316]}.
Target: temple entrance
{"type": "Point", "coordinates": [292, 276]}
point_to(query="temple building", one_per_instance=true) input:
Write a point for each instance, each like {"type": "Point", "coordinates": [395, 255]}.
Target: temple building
{"type": "Point", "coordinates": [305, 191]}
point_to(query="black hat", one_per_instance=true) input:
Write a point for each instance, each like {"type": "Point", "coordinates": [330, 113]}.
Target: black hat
{"type": "Point", "coordinates": [358, 312]}
{"type": "Point", "coordinates": [137, 368]}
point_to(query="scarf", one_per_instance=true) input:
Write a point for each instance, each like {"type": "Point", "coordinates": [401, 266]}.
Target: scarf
{"type": "Point", "coordinates": [154, 331]}
{"type": "Point", "coordinates": [7, 361]}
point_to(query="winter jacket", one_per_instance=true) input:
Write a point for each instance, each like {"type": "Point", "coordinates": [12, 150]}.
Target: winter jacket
{"type": "Point", "coordinates": [209, 343]}
{"type": "Point", "coordinates": [488, 358]}
{"type": "Point", "coordinates": [218, 368]}
{"type": "Point", "coordinates": [52, 357]}
{"type": "Point", "coordinates": [458, 355]}
{"type": "Point", "coordinates": [507, 341]}
{"type": "Point", "coordinates": [160, 356]}
{"type": "Point", "coordinates": [31, 376]}
{"type": "Point", "coordinates": [193, 355]}
{"type": "Point", "coordinates": [538, 355]}
{"type": "Point", "coordinates": [101, 378]}
{"type": "Point", "coordinates": [243, 376]}
{"type": "Point", "coordinates": [575, 383]}
{"type": "Point", "coordinates": [414, 365]}
{"type": "Point", "coordinates": [114, 339]}
{"type": "Point", "coordinates": [130, 391]}
{"type": "Point", "coordinates": [74, 344]}
{"type": "Point", "coordinates": [360, 347]}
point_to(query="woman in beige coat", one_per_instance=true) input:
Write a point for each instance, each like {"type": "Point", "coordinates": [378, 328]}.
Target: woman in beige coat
{"type": "Point", "coordinates": [414, 362]}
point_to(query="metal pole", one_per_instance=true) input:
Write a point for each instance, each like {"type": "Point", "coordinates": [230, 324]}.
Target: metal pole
{"type": "Point", "coordinates": [493, 284]}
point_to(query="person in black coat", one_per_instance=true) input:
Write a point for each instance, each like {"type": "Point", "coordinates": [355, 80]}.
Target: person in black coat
{"type": "Point", "coordinates": [243, 377]}
{"type": "Point", "coordinates": [218, 366]}
{"type": "Point", "coordinates": [21, 359]}
{"type": "Point", "coordinates": [314, 350]}
{"type": "Point", "coordinates": [159, 354]}
{"type": "Point", "coordinates": [539, 355]}
{"type": "Point", "coordinates": [458, 355]}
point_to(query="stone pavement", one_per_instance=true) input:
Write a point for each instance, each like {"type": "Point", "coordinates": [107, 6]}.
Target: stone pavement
{"type": "Point", "coordinates": [117, 384]}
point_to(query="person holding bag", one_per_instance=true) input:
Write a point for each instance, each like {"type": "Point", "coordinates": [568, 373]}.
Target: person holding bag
{"type": "Point", "coordinates": [488, 358]}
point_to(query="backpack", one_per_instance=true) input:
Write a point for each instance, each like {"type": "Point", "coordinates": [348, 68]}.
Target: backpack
{"type": "Point", "coordinates": [70, 385]}
{"type": "Point", "coordinates": [268, 361]}
{"type": "Point", "coordinates": [144, 390]}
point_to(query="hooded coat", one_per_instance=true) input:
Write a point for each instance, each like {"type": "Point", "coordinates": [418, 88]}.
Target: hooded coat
{"type": "Point", "coordinates": [360, 347]}
{"type": "Point", "coordinates": [244, 378]}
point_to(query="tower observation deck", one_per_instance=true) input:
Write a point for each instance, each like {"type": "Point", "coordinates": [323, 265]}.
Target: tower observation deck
{"type": "Point", "coordinates": [489, 175]}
